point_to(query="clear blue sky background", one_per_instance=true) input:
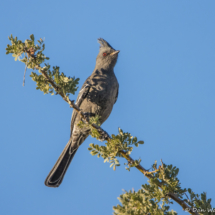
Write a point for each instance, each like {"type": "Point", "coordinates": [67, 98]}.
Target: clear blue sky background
{"type": "Point", "coordinates": [166, 72]}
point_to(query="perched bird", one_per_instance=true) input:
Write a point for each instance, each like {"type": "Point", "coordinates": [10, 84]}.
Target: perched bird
{"type": "Point", "coordinates": [96, 97]}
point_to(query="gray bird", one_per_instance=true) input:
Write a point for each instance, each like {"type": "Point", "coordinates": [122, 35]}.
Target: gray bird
{"type": "Point", "coordinates": [96, 97]}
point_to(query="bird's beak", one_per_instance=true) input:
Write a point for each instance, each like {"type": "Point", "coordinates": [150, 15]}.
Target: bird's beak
{"type": "Point", "coordinates": [116, 52]}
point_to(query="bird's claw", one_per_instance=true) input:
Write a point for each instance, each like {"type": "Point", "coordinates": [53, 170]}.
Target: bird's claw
{"type": "Point", "coordinates": [103, 135]}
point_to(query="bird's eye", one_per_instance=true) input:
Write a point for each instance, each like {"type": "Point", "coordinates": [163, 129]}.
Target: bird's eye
{"type": "Point", "coordinates": [104, 54]}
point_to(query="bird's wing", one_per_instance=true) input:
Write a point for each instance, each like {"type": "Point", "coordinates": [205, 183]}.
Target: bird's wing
{"type": "Point", "coordinates": [81, 96]}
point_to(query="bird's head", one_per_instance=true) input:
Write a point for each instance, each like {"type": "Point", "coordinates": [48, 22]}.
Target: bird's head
{"type": "Point", "coordinates": [107, 56]}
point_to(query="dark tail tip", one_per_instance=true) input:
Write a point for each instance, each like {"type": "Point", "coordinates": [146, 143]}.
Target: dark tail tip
{"type": "Point", "coordinates": [56, 175]}
{"type": "Point", "coordinates": [49, 183]}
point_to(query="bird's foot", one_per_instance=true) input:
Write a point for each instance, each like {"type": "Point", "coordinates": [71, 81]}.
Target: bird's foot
{"type": "Point", "coordinates": [103, 135]}
{"type": "Point", "coordinates": [87, 115]}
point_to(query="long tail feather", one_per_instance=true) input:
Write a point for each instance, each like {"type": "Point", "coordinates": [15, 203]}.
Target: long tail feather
{"type": "Point", "coordinates": [55, 177]}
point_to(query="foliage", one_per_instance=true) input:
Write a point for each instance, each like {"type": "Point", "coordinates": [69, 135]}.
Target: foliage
{"type": "Point", "coordinates": [147, 199]}
{"type": "Point", "coordinates": [167, 176]}
{"type": "Point", "coordinates": [120, 142]}
{"type": "Point", "coordinates": [67, 85]}
{"type": "Point", "coordinates": [32, 55]}
{"type": "Point", "coordinates": [200, 203]}
{"type": "Point", "coordinates": [139, 203]}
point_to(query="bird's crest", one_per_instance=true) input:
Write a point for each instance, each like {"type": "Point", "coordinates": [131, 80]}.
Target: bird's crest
{"type": "Point", "coordinates": [104, 43]}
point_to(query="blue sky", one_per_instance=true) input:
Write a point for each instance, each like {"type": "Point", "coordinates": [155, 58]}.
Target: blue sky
{"type": "Point", "coordinates": [166, 98]}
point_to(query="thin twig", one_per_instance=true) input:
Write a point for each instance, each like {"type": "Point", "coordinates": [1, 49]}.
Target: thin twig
{"type": "Point", "coordinates": [23, 84]}
{"type": "Point", "coordinates": [152, 172]}
{"type": "Point", "coordinates": [187, 197]}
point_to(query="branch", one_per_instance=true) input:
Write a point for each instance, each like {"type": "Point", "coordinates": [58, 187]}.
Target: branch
{"type": "Point", "coordinates": [32, 58]}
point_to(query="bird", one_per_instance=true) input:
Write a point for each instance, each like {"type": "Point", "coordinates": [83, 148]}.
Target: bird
{"type": "Point", "coordinates": [97, 96]}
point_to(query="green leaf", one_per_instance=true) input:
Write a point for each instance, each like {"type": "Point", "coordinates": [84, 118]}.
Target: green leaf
{"type": "Point", "coordinates": [15, 56]}
{"type": "Point", "coordinates": [106, 160]}
{"type": "Point", "coordinates": [32, 37]}
{"type": "Point", "coordinates": [141, 142]}
{"type": "Point", "coordinates": [93, 153]}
